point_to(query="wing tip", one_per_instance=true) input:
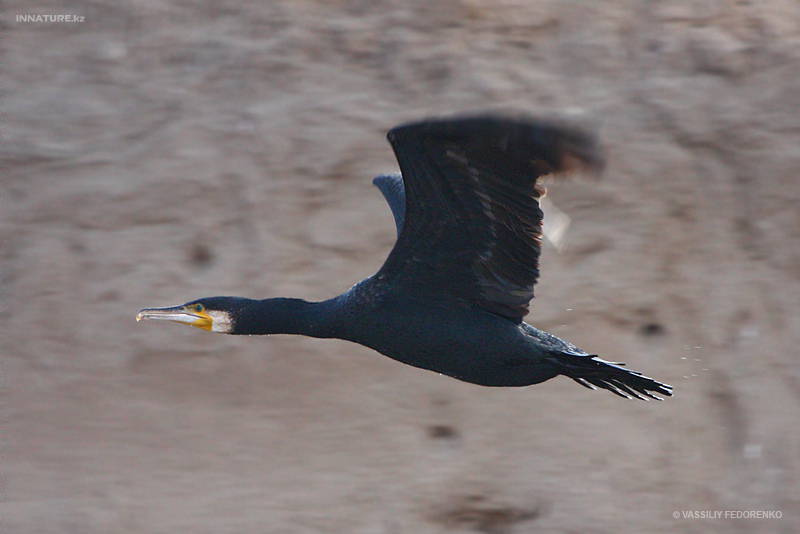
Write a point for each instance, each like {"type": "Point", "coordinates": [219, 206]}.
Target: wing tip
{"type": "Point", "coordinates": [573, 144]}
{"type": "Point", "coordinates": [587, 157]}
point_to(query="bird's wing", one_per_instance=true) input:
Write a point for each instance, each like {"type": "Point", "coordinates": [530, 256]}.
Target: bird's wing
{"type": "Point", "coordinates": [473, 225]}
{"type": "Point", "coordinates": [391, 185]}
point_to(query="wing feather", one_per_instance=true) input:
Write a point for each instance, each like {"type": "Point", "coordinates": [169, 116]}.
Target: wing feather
{"type": "Point", "coordinates": [473, 225]}
{"type": "Point", "coordinates": [393, 190]}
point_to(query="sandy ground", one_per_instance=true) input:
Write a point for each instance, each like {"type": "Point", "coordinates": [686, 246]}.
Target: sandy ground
{"type": "Point", "coordinates": [162, 151]}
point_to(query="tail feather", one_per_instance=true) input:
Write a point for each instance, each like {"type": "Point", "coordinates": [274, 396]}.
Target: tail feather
{"type": "Point", "coordinates": [592, 372]}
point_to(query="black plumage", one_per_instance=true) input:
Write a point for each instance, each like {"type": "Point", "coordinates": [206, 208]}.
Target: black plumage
{"type": "Point", "coordinates": [452, 293]}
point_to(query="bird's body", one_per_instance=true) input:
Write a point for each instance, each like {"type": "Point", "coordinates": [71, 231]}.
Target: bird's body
{"type": "Point", "coordinates": [452, 294]}
{"type": "Point", "coordinates": [451, 338]}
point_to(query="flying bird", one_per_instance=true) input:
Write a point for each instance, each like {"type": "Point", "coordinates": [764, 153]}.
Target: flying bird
{"type": "Point", "coordinates": [452, 295]}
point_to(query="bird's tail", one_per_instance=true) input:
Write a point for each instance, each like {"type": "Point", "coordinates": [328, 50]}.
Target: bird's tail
{"type": "Point", "coordinates": [592, 372]}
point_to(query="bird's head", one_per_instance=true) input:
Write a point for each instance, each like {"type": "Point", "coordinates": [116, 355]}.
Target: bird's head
{"type": "Point", "coordinates": [214, 314]}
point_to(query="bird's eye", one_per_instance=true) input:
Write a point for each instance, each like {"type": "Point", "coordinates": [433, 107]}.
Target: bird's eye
{"type": "Point", "coordinates": [198, 307]}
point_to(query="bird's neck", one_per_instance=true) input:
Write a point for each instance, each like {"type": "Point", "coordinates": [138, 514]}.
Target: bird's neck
{"type": "Point", "coordinates": [287, 316]}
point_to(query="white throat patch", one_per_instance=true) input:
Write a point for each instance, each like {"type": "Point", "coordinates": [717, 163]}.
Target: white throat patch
{"type": "Point", "coordinates": [220, 321]}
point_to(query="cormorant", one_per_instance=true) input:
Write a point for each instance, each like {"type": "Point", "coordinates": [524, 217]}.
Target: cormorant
{"type": "Point", "coordinates": [452, 294]}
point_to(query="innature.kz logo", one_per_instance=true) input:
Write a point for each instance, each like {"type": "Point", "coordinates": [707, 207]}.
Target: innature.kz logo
{"type": "Point", "coordinates": [50, 18]}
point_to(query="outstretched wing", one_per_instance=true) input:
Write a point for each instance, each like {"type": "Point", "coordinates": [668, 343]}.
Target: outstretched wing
{"type": "Point", "coordinates": [391, 185]}
{"type": "Point", "coordinates": [473, 225]}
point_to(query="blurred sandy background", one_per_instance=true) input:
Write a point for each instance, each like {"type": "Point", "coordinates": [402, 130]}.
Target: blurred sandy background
{"type": "Point", "coordinates": [167, 150]}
